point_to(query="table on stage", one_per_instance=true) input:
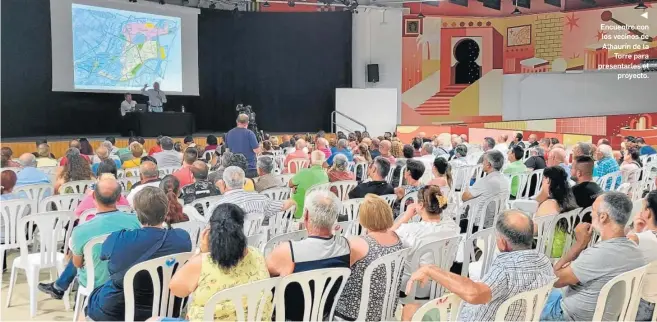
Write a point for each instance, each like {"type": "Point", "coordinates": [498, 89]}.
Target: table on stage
{"type": "Point", "coordinates": [154, 124]}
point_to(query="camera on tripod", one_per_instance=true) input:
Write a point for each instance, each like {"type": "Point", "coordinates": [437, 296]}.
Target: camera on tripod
{"type": "Point", "coordinates": [248, 111]}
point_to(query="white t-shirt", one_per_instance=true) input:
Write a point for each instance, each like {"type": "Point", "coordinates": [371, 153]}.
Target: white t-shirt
{"type": "Point", "coordinates": [133, 192]}
{"type": "Point", "coordinates": [127, 107]}
{"type": "Point", "coordinates": [502, 147]}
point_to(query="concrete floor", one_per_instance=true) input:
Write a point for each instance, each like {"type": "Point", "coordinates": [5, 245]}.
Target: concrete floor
{"type": "Point", "coordinates": [48, 309]}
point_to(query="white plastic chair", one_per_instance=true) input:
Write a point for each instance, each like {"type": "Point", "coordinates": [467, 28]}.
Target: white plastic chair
{"type": "Point", "coordinates": [390, 199]}
{"type": "Point", "coordinates": [448, 307]}
{"type": "Point", "coordinates": [208, 155]}
{"type": "Point", "coordinates": [51, 226]}
{"type": "Point", "coordinates": [298, 163]}
{"type": "Point", "coordinates": [346, 228]}
{"type": "Point", "coordinates": [131, 172]}
{"type": "Point", "coordinates": [193, 228]}
{"type": "Point", "coordinates": [610, 181]}
{"type": "Point", "coordinates": [342, 188]}
{"type": "Point", "coordinates": [252, 227]}
{"type": "Point", "coordinates": [274, 241]}
{"type": "Point", "coordinates": [480, 211]}
{"type": "Point", "coordinates": [522, 178]}
{"type": "Point", "coordinates": [361, 167]}
{"type": "Point", "coordinates": [193, 214]}
{"type": "Point", "coordinates": [167, 170]}
{"type": "Point", "coordinates": [257, 240]}
{"type": "Point", "coordinates": [535, 176]}
{"type": "Point", "coordinates": [127, 183]}
{"type": "Point", "coordinates": [390, 173]}
{"type": "Point", "coordinates": [63, 202]}
{"type": "Point", "coordinates": [84, 291]}
{"type": "Point", "coordinates": [485, 240]}
{"type": "Point", "coordinates": [401, 176]}
{"type": "Point", "coordinates": [74, 187]}
{"type": "Point", "coordinates": [282, 193]}
{"type": "Point", "coordinates": [533, 302]}
{"type": "Point", "coordinates": [280, 223]}
{"type": "Point", "coordinates": [650, 284]}
{"type": "Point", "coordinates": [285, 179]}
{"type": "Point", "coordinates": [393, 266]}
{"type": "Point", "coordinates": [441, 253]}
{"type": "Point", "coordinates": [14, 169]}
{"type": "Point", "coordinates": [162, 296]}
{"type": "Point", "coordinates": [351, 208]}
{"type": "Point", "coordinates": [257, 295]}
{"type": "Point", "coordinates": [315, 301]}
{"type": "Point", "coordinates": [546, 235]}
{"type": "Point", "coordinates": [11, 212]}
{"type": "Point", "coordinates": [405, 201]}
{"type": "Point", "coordinates": [528, 206]}
{"type": "Point", "coordinates": [36, 192]}
{"type": "Point", "coordinates": [206, 204]}
{"type": "Point", "coordinates": [629, 284]}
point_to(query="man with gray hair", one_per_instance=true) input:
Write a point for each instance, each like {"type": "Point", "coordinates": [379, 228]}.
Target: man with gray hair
{"type": "Point", "coordinates": [341, 148]}
{"type": "Point", "coordinates": [606, 165]}
{"type": "Point", "coordinates": [426, 157]}
{"type": "Point", "coordinates": [493, 184]}
{"type": "Point", "coordinates": [150, 177]}
{"type": "Point", "coordinates": [377, 185]}
{"type": "Point", "coordinates": [266, 179]}
{"type": "Point", "coordinates": [168, 157]}
{"type": "Point", "coordinates": [305, 178]}
{"type": "Point", "coordinates": [582, 149]}
{"type": "Point", "coordinates": [458, 159]}
{"type": "Point", "coordinates": [583, 270]}
{"type": "Point", "coordinates": [518, 268]}
{"type": "Point", "coordinates": [255, 205]}
{"type": "Point", "coordinates": [30, 174]}
{"type": "Point", "coordinates": [320, 250]}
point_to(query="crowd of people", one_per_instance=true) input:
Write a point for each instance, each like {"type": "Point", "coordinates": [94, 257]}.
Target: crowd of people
{"type": "Point", "coordinates": [240, 168]}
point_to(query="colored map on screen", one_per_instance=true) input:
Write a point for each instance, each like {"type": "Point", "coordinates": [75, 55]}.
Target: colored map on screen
{"type": "Point", "coordinates": [123, 50]}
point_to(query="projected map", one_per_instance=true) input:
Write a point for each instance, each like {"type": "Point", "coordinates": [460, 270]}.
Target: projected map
{"type": "Point", "coordinates": [123, 50]}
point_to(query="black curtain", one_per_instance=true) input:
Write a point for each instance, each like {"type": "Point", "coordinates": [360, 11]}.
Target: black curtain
{"type": "Point", "coordinates": [286, 65]}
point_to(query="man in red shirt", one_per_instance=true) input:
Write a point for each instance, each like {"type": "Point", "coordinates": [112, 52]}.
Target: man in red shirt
{"type": "Point", "coordinates": [184, 174]}
{"type": "Point", "coordinates": [156, 148]}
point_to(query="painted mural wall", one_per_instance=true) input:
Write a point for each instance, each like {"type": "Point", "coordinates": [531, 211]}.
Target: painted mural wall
{"type": "Point", "coordinates": [452, 66]}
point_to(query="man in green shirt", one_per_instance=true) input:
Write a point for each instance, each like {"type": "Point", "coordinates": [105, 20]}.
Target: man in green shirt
{"type": "Point", "coordinates": [107, 220]}
{"type": "Point", "coordinates": [306, 178]}
{"type": "Point", "coordinates": [515, 166]}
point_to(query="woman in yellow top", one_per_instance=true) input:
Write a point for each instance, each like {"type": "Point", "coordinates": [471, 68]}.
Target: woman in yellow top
{"type": "Point", "coordinates": [136, 149]}
{"type": "Point", "coordinates": [224, 261]}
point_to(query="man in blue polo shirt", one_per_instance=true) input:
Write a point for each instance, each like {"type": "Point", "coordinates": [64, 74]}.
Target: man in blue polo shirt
{"type": "Point", "coordinates": [107, 220]}
{"type": "Point", "coordinates": [243, 141]}
{"type": "Point", "coordinates": [30, 174]}
{"type": "Point", "coordinates": [341, 149]}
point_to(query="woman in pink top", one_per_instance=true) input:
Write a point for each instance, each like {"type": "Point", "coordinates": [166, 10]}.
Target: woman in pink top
{"type": "Point", "coordinates": [104, 169]}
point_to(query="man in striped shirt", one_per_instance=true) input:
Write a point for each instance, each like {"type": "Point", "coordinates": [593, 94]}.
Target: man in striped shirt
{"type": "Point", "coordinates": [254, 204]}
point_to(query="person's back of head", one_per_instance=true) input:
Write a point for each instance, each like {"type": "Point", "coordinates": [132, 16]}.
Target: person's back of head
{"type": "Point", "coordinates": [74, 144]}
{"type": "Point", "coordinates": [321, 210]}
{"type": "Point", "coordinates": [417, 143]}
{"type": "Point", "coordinates": [211, 140]}
{"type": "Point", "coordinates": [427, 148]}
{"type": "Point", "coordinates": [265, 165]}
{"type": "Point", "coordinates": [43, 150]}
{"type": "Point", "coordinates": [415, 169]}
{"type": "Point", "coordinates": [634, 155]}
{"type": "Point", "coordinates": [107, 192]}
{"type": "Point", "coordinates": [583, 168]}
{"type": "Point", "coordinates": [375, 143]}
{"type": "Point", "coordinates": [237, 160]}
{"type": "Point", "coordinates": [495, 159]}
{"type": "Point", "coordinates": [136, 149]}
{"type": "Point", "coordinates": [519, 136]}
{"type": "Point", "coordinates": [102, 153]}
{"type": "Point", "coordinates": [342, 144]}
{"type": "Point", "coordinates": [9, 179]}
{"type": "Point", "coordinates": [151, 205]}
{"type": "Point", "coordinates": [243, 120]}
{"type": "Point", "coordinates": [537, 152]}
{"type": "Point", "coordinates": [148, 170]}
{"type": "Point", "coordinates": [132, 139]}
{"type": "Point", "coordinates": [234, 178]}
{"type": "Point", "coordinates": [27, 160]}
{"type": "Point", "coordinates": [266, 145]}
{"type": "Point", "coordinates": [317, 157]}
{"type": "Point", "coordinates": [300, 144]}
{"type": "Point", "coordinates": [585, 149]}
{"type": "Point", "coordinates": [111, 139]}
{"type": "Point", "coordinates": [374, 214]}
{"type": "Point", "coordinates": [408, 151]}
{"type": "Point", "coordinates": [191, 155]}
{"type": "Point", "coordinates": [227, 241]}
{"type": "Point", "coordinates": [461, 150]}
{"type": "Point", "coordinates": [166, 143]}
{"type": "Point", "coordinates": [380, 168]}
{"type": "Point", "coordinates": [517, 152]}
{"type": "Point", "coordinates": [650, 208]}
{"type": "Point", "coordinates": [611, 209]}
{"type": "Point", "coordinates": [606, 151]}
{"type": "Point", "coordinates": [85, 147]}
{"type": "Point", "coordinates": [558, 155]}
{"type": "Point", "coordinates": [640, 141]}
{"type": "Point", "coordinates": [188, 140]}
{"type": "Point", "coordinates": [108, 145]}
{"type": "Point", "coordinates": [515, 231]}
{"type": "Point", "coordinates": [340, 162]}
{"type": "Point", "coordinates": [200, 170]}
{"type": "Point", "coordinates": [559, 189]}
{"type": "Point", "coordinates": [441, 165]}
{"type": "Point", "coordinates": [385, 147]}
{"type": "Point", "coordinates": [432, 200]}
{"type": "Point", "coordinates": [170, 185]}
{"type": "Point", "coordinates": [107, 166]}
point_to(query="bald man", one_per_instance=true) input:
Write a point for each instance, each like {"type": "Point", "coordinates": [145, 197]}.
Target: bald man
{"type": "Point", "coordinates": [150, 177]}
{"type": "Point", "coordinates": [201, 187]}
{"type": "Point", "coordinates": [30, 174]}
{"type": "Point", "coordinates": [384, 149]}
{"type": "Point", "coordinates": [242, 140]}
{"type": "Point", "coordinates": [514, 238]}
{"type": "Point", "coordinates": [533, 141]}
{"type": "Point", "coordinates": [106, 221]}
{"type": "Point", "coordinates": [557, 157]}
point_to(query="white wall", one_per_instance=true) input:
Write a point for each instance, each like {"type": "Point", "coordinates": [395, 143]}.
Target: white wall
{"type": "Point", "coordinates": [377, 39]}
{"type": "Point", "coordinates": [374, 107]}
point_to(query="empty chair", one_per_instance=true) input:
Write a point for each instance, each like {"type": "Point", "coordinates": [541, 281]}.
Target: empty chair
{"type": "Point", "coordinates": [282, 193]}
{"type": "Point", "coordinates": [63, 202]}
{"type": "Point", "coordinates": [533, 302]}
{"type": "Point", "coordinates": [315, 299]}
{"type": "Point", "coordinates": [447, 306]}
{"type": "Point", "coordinates": [294, 165]}
{"type": "Point", "coordinates": [258, 301]}
{"type": "Point", "coordinates": [74, 187]}
{"type": "Point", "coordinates": [11, 211]}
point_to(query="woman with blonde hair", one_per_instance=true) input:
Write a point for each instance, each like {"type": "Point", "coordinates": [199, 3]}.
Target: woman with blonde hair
{"type": "Point", "coordinates": [137, 151]}
{"type": "Point", "coordinates": [375, 215]}
{"type": "Point", "coordinates": [363, 154]}
{"type": "Point", "coordinates": [397, 149]}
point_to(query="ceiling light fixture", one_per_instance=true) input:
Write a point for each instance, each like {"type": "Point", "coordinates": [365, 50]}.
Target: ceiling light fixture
{"type": "Point", "coordinates": [641, 6]}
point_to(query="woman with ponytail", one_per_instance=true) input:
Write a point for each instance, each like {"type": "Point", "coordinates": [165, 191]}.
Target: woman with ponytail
{"type": "Point", "coordinates": [223, 260]}
{"type": "Point", "coordinates": [171, 187]}
{"type": "Point", "coordinates": [432, 227]}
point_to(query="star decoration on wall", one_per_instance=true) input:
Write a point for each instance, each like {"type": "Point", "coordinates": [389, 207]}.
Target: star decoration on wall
{"type": "Point", "coordinates": [599, 35]}
{"type": "Point", "coordinates": [572, 21]}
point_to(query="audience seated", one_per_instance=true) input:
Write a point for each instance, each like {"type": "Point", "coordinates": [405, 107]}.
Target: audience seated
{"type": "Point", "coordinates": [76, 168]}
{"type": "Point", "coordinates": [89, 201]}
{"type": "Point", "coordinates": [377, 185]}
{"type": "Point", "coordinates": [536, 160]}
{"type": "Point", "coordinates": [494, 183]}
{"type": "Point", "coordinates": [583, 271]}
{"type": "Point", "coordinates": [362, 154]}
{"type": "Point", "coordinates": [412, 174]}
{"type": "Point", "coordinates": [171, 187]}
{"type": "Point", "coordinates": [515, 166]}
{"type": "Point", "coordinates": [75, 144]}
{"type": "Point", "coordinates": [586, 190]}
{"type": "Point", "coordinates": [201, 187]}
{"type": "Point", "coordinates": [307, 178]}
{"type": "Point", "coordinates": [184, 174]}
{"type": "Point", "coordinates": [254, 204]}
{"type": "Point", "coordinates": [7, 162]}
{"type": "Point", "coordinates": [630, 163]}
{"type": "Point", "coordinates": [384, 149]}
{"type": "Point", "coordinates": [102, 154]}
{"type": "Point", "coordinates": [211, 143]}
{"type": "Point", "coordinates": [107, 220]}
{"type": "Point", "coordinates": [501, 145]}
{"type": "Point", "coordinates": [158, 147]}
{"type": "Point", "coordinates": [556, 197]}
{"type": "Point", "coordinates": [322, 249]}
{"type": "Point", "coordinates": [9, 179]}
{"type": "Point", "coordinates": [266, 179]}
{"type": "Point", "coordinates": [125, 154]}
{"type": "Point", "coordinates": [396, 150]}
{"type": "Point", "coordinates": [167, 157]}
{"type": "Point", "coordinates": [136, 153]}
{"type": "Point", "coordinates": [518, 268]}
{"type": "Point", "coordinates": [44, 158]}
{"type": "Point", "coordinates": [126, 248]}
{"type": "Point", "coordinates": [644, 234]}
{"type": "Point", "coordinates": [517, 141]}
{"type": "Point", "coordinates": [460, 151]}
{"type": "Point", "coordinates": [29, 173]}
{"type": "Point", "coordinates": [605, 162]}
{"type": "Point", "coordinates": [340, 170]}
{"type": "Point", "coordinates": [442, 175]}
{"type": "Point", "coordinates": [533, 142]}
{"type": "Point", "coordinates": [224, 261]}
{"type": "Point", "coordinates": [298, 153]}
{"type": "Point", "coordinates": [430, 206]}
{"type": "Point", "coordinates": [644, 149]}
{"type": "Point", "coordinates": [150, 177]}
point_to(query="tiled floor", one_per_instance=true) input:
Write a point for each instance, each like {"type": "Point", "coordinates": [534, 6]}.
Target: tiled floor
{"type": "Point", "coordinates": [48, 309]}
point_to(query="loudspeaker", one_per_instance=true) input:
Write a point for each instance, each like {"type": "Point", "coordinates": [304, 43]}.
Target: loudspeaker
{"type": "Point", "coordinates": [373, 73]}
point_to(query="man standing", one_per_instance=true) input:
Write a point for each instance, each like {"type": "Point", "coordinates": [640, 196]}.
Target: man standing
{"type": "Point", "coordinates": [128, 105]}
{"type": "Point", "coordinates": [156, 98]}
{"type": "Point", "coordinates": [243, 141]}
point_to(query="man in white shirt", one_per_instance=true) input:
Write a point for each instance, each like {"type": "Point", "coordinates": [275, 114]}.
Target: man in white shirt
{"type": "Point", "coordinates": [501, 145]}
{"type": "Point", "coordinates": [128, 105]}
{"type": "Point", "coordinates": [156, 98]}
{"type": "Point", "coordinates": [427, 158]}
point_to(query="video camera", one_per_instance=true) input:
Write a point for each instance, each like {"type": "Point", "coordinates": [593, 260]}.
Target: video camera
{"type": "Point", "coordinates": [253, 126]}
